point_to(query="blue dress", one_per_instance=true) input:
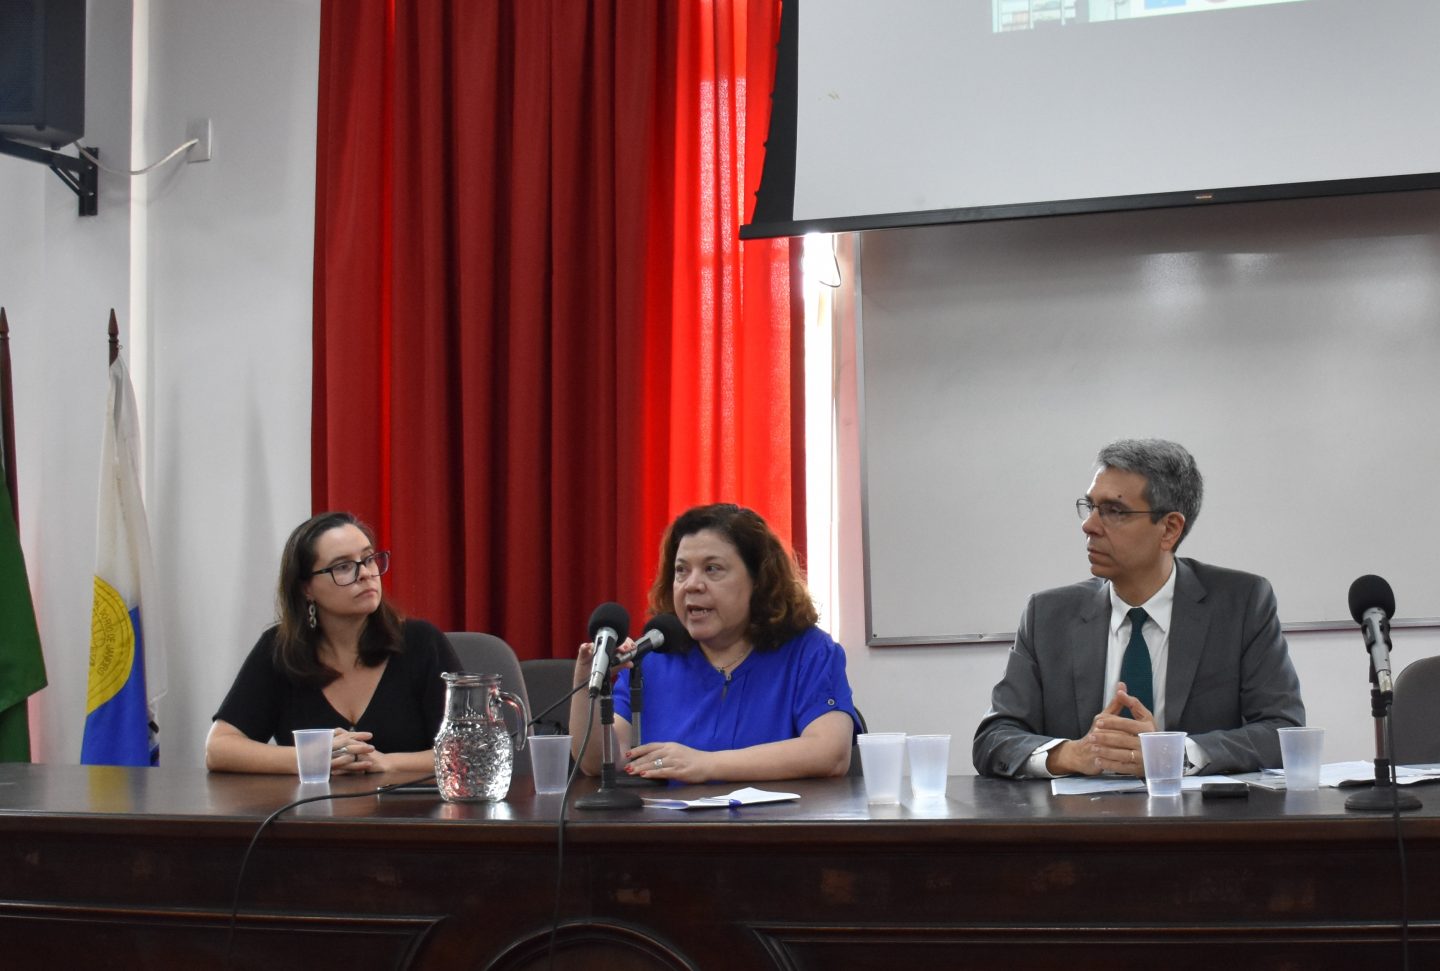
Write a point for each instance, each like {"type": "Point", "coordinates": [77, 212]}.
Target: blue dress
{"type": "Point", "coordinates": [769, 698]}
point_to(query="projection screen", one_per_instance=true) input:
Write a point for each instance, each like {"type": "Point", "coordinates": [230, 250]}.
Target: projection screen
{"type": "Point", "coordinates": [916, 112]}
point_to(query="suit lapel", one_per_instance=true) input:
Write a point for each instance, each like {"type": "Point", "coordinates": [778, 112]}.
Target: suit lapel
{"type": "Point", "coordinates": [1189, 623]}
{"type": "Point", "coordinates": [1089, 639]}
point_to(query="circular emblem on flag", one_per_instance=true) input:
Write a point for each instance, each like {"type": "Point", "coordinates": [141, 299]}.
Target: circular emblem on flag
{"type": "Point", "coordinates": [112, 646]}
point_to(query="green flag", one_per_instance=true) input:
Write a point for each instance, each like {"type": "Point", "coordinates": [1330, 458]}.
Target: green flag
{"type": "Point", "coordinates": [22, 666]}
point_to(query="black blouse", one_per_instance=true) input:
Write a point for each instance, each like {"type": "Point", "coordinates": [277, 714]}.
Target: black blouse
{"type": "Point", "coordinates": [403, 715]}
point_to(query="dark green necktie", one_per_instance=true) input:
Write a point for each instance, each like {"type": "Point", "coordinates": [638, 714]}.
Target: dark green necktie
{"type": "Point", "coordinates": [1135, 668]}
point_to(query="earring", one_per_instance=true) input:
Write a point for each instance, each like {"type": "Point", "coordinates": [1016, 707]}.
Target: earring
{"type": "Point", "coordinates": [310, 615]}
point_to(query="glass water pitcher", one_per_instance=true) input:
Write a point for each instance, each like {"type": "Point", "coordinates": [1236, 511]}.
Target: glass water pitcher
{"type": "Point", "coordinates": [475, 752]}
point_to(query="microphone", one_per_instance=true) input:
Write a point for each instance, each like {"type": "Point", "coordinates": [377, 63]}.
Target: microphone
{"type": "Point", "coordinates": [664, 633]}
{"type": "Point", "coordinates": [1372, 604]}
{"type": "Point", "coordinates": [608, 626]}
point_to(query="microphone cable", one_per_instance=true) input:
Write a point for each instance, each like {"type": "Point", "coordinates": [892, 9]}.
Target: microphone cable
{"type": "Point", "coordinates": [1399, 848]}
{"type": "Point", "coordinates": [560, 829]}
{"type": "Point", "coordinates": [391, 787]}
{"type": "Point", "coordinates": [563, 699]}
{"type": "Point", "coordinates": [249, 849]}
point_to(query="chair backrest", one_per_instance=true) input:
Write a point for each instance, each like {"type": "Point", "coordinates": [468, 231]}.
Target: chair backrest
{"type": "Point", "coordinates": [855, 768]}
{"type": "Point", "coordinates": [488, 654]}
{"type": "Point", "coordinates": [1415, 713]}
{"type": "Point", "coordinates": [548, 679]}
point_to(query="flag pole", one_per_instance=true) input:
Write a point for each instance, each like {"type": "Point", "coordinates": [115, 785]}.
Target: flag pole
{"type": "Point", "coordinates": [7, 419]}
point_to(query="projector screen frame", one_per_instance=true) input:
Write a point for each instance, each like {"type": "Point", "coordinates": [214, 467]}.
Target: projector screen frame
{"type": "Point", "coordinates": [773, 212]}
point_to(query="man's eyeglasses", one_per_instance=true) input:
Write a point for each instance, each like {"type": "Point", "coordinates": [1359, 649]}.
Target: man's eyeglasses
{"type": "Point", "coordinates": [1111, 513]}
{"type": "Point", "coordinates": [348, 572]}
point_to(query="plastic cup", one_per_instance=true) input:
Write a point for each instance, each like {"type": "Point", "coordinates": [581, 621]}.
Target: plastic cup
{"type": "Point", "coordinates": [550, 761]}
{"type": "Point", "coordinates": [929, 764]}
{"type": "Point", "coordinates": [1164, 756]}
{"type": "Point", "coordinates": [313, 753]}
{"type": "Point", "coordinates": [1300, 748]}
{"type": "Point", "coordinates": [882, 759]}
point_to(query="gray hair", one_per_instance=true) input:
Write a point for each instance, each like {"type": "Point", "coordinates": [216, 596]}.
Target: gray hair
{"type": "Point", "coordinates": [1172, 480]}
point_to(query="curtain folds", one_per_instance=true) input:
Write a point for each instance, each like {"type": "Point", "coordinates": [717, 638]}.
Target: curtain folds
{"type": "Point", "coordinates": [537, 337]}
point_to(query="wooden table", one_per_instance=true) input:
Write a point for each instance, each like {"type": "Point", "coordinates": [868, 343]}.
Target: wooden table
{"type": "Point", "coordinates": [123, 868]}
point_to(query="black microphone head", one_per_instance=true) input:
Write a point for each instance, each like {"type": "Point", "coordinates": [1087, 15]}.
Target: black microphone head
{"type": "Point", "coordinates": [677, 638]}
{"type": "Point", "coordinates": [1371, 591]}
{"type": "Point", "coordinates": [613, 616]}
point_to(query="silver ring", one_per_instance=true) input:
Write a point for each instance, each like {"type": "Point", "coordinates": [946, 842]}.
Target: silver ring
{"type": "Point", "coordinates": [659, 763]}
{"type": "Point", "coordinates": [342, 750]}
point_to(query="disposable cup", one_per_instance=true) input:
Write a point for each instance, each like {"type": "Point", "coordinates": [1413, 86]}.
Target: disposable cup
{"type": "Point", "coordinates": [882, 758]}
{"type": "Point", "coordinates": [929, 764]}
{"type": "Point", "coordinates": [1300, 749]}
{"type": "Point", "coordinates": [1164, 756]}
{"type": "Point", "coordinates": [313, 754]}
{"type": "Point", "coordinates": [550, 761]}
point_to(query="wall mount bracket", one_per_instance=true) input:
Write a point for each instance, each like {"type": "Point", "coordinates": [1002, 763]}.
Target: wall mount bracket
{"type": "Point", "coordinates": [80, 174]}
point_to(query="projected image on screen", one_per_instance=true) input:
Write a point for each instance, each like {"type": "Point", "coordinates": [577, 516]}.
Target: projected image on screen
{"type": "Point", "coordinates": [1030, 14]}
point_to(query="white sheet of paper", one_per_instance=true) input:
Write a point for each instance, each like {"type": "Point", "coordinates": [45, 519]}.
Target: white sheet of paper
{"type": "Point", "coordinates": [733, 800]}
{"type": "Point", "coordinates": [1084, 785]}
{"type": "Point", "coordinates": [1341, 774]}
{"type": "Point", "coordinates": [1337, 775]}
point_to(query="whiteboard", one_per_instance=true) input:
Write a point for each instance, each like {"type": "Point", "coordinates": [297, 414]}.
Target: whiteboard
{"type": "Point", "coordinates": [1292, 346]}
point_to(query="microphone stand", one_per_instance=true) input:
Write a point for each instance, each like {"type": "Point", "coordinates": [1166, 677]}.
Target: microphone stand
{"type": "Point", "coordinates": [637, 707]}
{"type": "Point", "coordinates": [609, 795]}
{"type": "Point", "coordinates": [1384, 796]}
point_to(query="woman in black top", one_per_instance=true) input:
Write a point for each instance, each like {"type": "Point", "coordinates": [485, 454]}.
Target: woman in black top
{"type": "Point", "coordinates": [340, 657]}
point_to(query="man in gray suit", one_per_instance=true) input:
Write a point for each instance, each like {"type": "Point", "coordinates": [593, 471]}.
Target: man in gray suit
{"type": "Point", "coordinates": [1151, 642]}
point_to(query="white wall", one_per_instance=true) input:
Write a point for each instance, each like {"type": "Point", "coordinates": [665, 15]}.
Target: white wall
{"type": "Point", "coordinates": [216, 258]}
{"type": "Point", "coordinates": [231, 247]}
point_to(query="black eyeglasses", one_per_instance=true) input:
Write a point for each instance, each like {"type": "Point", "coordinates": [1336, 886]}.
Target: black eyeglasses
{"type": "Point", "coordinates": [1111, 513]}
{"type": "Point", "coordinates": [348, 572]}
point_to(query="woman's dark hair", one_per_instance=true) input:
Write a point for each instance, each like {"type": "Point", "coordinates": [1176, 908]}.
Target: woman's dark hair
{"type": "Point", "coordinates": [296, 642]}
{"type": "Point", "coordinates": [780, 605]}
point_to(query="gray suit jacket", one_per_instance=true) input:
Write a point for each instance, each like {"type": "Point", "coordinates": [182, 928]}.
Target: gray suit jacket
{"type": "Point", "coordinates": [1229, 682]}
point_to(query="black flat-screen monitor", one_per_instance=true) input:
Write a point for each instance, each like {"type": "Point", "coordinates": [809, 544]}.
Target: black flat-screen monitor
{"type": "Point", "coordinates": [42, 71]}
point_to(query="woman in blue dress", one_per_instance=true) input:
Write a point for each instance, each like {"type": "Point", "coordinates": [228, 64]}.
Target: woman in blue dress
{"type": "Point", "coordinates": [762, 693]}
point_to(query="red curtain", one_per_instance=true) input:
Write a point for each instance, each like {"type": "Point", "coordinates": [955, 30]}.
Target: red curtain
{"type": "Point", "coordinates": [536, 334]}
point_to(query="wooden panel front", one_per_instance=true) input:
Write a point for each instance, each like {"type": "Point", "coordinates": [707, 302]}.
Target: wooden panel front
{"type": "Point", "coordinates": [141, 866]}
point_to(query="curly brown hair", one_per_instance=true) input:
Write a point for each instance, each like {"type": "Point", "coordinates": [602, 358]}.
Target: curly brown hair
{"type": "Point", "coordinates": [296, 643]}
{"type": "Point", "coordinates": [780, 604]}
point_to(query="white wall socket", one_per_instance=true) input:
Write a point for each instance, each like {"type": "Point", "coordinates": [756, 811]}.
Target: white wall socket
{"type": "Point", "coordinates": [202, 131]}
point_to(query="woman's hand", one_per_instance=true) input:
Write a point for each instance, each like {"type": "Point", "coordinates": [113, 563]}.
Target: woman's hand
{"type": "Point", "coordinates": [352, 754]}
{"type": "Point", "coordinates": [585, 659]}
{"type": "Point", "coordinates": [669, 760]}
